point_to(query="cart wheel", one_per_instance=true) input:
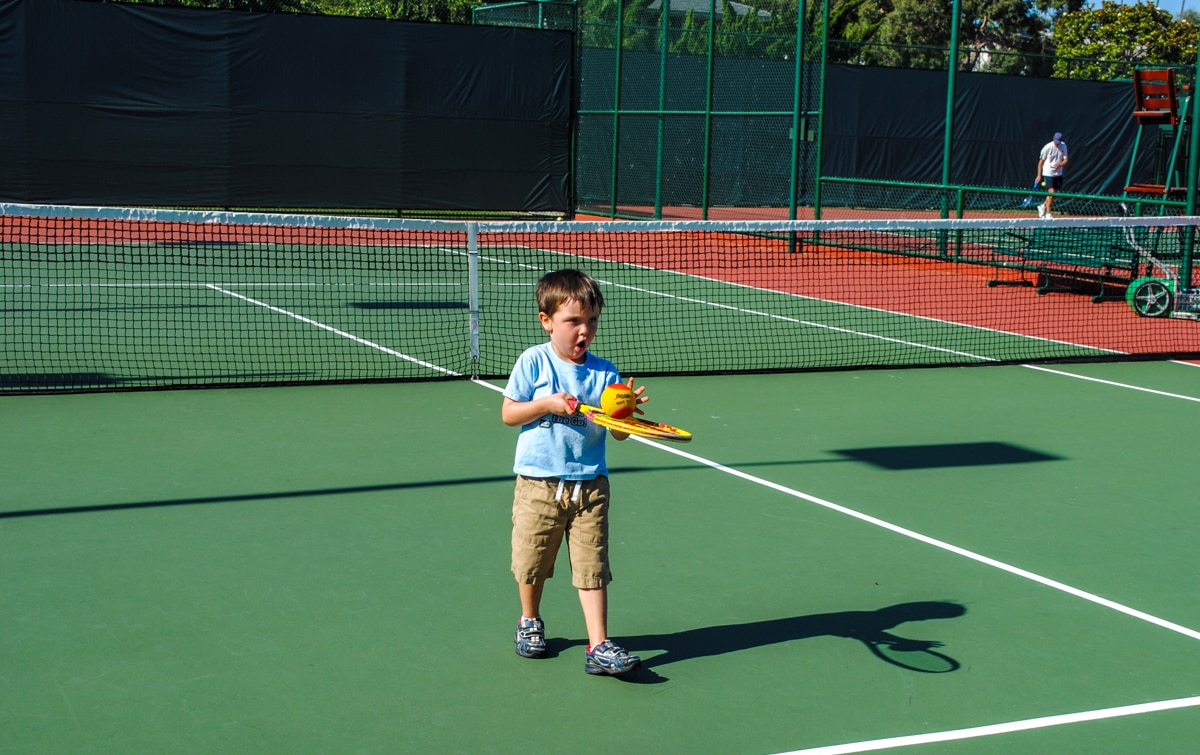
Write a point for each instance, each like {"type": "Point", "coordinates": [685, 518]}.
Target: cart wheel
{"type": "Point", "coordinates": [1152, 298]}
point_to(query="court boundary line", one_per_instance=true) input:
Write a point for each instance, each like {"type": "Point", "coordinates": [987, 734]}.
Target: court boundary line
{"type": "Point", "coordinates": [331, 329]}
{"type": "Point", "coordinates": [848, 331]}
{"type": "Point", "coordinates": [919, 537]}
{"type": "Point", "coordinates": [1009, 727]}
{"type": "Point", "coordinates": [917, 739]}
{"type": "Point", "coordinates": [973, 732]}
{"type": "Point", "coordinates": [912, 534]}
{"type": "Point", "coordinates": [785, 318]}
{"type": "Point", "coordinates": [1113, 383]}
{"type": "Point", "coordinates": [768, 315]}
{"type": "Point", "coordinates": [805, 297]}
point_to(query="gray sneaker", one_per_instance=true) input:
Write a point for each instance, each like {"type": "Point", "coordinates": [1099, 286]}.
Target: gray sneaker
{"type": "Point", "coordinates": [531, 638]}
{"type": "Point", "coordinates": [607, 658]}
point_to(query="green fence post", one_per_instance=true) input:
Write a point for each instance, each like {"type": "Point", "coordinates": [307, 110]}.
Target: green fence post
{"type": "Point", "coordinates": [1189, 240]}
{"type": "Point", "coordinates": [797, 104]}
{"type": "Point", "coordinates": [616, 123]}
{"type": "Point", "coordinates": [664, 25]}
{"type": "Point", "coordinates": [951, 77]}
{"type": "Point", "coordinates": [708, 108]}
{"type": "Point", "coordinates": [797, 123]}
{"type": "Point", "coordinates": [821, 111]}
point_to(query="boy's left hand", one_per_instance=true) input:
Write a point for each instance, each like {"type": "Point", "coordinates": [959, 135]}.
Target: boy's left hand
{"type": "Point", "coordinates": [640, 398]}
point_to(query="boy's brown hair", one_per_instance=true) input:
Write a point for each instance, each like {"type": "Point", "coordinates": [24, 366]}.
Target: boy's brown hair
{"type": "Point", "coordinates": [565, 285]}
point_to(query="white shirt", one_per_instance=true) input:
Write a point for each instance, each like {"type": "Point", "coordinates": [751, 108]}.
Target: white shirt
{"type": "Point", "coordinates": [1054, 154]}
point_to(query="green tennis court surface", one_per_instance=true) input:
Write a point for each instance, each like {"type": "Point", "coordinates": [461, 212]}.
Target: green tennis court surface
{"type": "Point", "coordinates": [325, 568]}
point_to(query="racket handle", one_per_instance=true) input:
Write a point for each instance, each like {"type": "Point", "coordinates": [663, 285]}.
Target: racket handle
{"type": "Point", "coordinates": [573, 403]}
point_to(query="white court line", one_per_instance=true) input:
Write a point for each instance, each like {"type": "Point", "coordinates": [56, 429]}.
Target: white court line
{"type": "Point", "coordinates": [980, 731]}
{"type": "Point", "coordinates": [986, 560]}
{"type": "Point", "coordinates": [1004, 728]}
{"type": "Point", "coordinates": [918, 739]}
{"type": "Point", "coordinates": [864, 334]}
{"type": "Point", "coordinates": [770, 315]}
{"type": "Point", "coordinates": [1112, 383]}
{"type": "Point", "coordinates": [334, 330]}
{"type": "Point", "coordinates": [1054, 584]}
{"type": "Point", "coordinates": [254, 284]}
{"type": "Point", "coordinates": [850, 331]}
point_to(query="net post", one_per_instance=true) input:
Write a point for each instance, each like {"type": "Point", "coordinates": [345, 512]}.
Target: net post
{"type": "Point", "coordinates": [473, 292]}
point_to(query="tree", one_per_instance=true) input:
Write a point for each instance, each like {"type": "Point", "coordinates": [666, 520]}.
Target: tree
{"type": "Point", "coordinates": [1109, 41]}
{"type": "Point", "coordinates": [994, 35]}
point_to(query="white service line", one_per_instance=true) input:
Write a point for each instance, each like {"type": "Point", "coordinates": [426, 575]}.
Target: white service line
{"type": "Point", "coordinates": [786, 294]}
{"type": "Point", "coordinates": [334, 330]}
{"type": "Point", "coordinates": [1110, 382]}
{"type": "Point", "coordinates": [1046, 581]}
{"type": "Point", "coordinates": [978, 731]}
{"type": "Point", "coordinates": [1004, 728]}
{"type": "Point", "coordinates": [807, 323]}
{"type": "Point", "coordinates": [1121, 608]}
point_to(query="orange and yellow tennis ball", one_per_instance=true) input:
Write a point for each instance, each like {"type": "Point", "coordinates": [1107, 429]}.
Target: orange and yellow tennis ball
{"type": "Point", "coordinates": [618, 401]}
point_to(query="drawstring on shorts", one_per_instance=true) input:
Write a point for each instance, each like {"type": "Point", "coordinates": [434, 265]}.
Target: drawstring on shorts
{"type": "Point", "coordinates": [576, 497]}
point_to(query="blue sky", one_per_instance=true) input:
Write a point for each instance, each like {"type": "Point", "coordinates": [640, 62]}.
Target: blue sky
{"type": "Point", "coordinates": [1171, 6]}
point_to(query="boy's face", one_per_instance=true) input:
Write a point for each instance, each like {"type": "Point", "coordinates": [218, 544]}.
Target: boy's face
{"type": "Point", "coordinates": [571, 329]}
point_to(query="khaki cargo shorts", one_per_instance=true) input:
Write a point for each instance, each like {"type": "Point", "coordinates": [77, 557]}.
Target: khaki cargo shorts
{"type": "Point", "coordinates": [546, 509]}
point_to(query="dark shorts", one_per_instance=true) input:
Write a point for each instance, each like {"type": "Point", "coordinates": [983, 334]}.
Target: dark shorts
{"type": "Point", "coordinates": [1052, 182]}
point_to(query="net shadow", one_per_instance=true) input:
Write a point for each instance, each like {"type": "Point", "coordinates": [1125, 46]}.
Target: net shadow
{"type": "Point", "coordinates": [940, 455]}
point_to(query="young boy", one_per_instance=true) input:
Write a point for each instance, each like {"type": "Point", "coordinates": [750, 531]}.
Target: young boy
{"type": "Point", "coordinates": [562, 478]}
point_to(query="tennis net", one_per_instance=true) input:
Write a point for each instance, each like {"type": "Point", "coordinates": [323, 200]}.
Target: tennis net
{"type": "Point", "coordinates": [109, 299]}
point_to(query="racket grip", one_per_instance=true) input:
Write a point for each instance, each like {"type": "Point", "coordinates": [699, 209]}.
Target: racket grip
{"type": "Point", "coordinates": [573, 403]}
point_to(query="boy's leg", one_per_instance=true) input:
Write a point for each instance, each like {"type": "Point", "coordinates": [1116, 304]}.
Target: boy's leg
{"type": "Point", "coordinates": [595, 614]}
{"type": "Point", "coordinates": [531, 598]}
{"type": "Point", "coordinates": [530, 638]}
{"type": "Point", "coordinates": [588, 545]}
{"type": "Point", "coordinates": [603, 657]}
{"type": "Point", "coordinates": [537, 534]}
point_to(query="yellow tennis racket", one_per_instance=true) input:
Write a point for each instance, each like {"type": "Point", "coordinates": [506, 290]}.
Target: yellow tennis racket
{"type": "Point", "coordinates": [632, 425]}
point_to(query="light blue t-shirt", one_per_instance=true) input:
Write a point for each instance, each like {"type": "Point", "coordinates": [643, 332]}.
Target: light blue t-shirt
{"type": "Point", "coordinates": [568, 447]}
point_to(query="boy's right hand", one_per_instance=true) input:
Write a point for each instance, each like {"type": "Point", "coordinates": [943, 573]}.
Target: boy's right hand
{"type": "Point", "coordinates": [563, 403]}
{"type": "Point", "coordinates": [519, 413]}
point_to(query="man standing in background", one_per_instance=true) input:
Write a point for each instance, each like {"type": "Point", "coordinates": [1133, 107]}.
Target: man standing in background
{"type": "Point", "coordinates": [1050, 171]}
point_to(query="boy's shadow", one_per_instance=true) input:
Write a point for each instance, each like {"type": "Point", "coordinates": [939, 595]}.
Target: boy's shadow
{"type": "Point", "coordinates": [869, 627]}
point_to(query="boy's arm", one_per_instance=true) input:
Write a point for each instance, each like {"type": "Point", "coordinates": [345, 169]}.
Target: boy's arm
{"type": "Point", "coordinates": [518, 413]}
